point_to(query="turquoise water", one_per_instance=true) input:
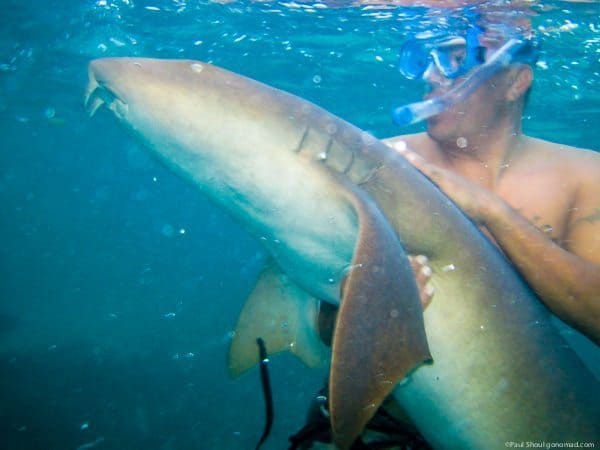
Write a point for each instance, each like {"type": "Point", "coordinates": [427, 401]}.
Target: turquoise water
{"type": "Point", "coordinates": [119, 283]}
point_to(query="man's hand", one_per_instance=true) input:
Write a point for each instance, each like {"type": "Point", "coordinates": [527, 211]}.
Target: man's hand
{"type": "Point", "coordinates": [423, 274]}
{"type": "Point", "coordinates": [471, 198]}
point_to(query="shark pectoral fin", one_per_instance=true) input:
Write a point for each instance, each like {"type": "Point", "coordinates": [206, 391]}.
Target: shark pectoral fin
{"type": "Point", "coordinates": [284, 315]}
{"type": "Point", "coordinates": [380, 334]}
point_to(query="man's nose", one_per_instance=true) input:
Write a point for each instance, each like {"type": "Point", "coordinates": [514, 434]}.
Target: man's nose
{"type": "Point", "coordinates": [434, 78]}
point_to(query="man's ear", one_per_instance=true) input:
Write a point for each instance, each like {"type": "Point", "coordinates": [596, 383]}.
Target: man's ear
{"type": "Point", "coordinates": [520, 83]}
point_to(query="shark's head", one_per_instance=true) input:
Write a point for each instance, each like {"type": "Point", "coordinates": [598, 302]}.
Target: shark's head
{"type": "Point", "coordinates": [168, 103]}
{"type": "Point", "coordinates": [195, 116]}
{"type": "Point", "coordinates": [129, 85]}
{"type": "Point", "coordinates": [244, 144]}
{"type": "Point", "coordinates": [205, 108]}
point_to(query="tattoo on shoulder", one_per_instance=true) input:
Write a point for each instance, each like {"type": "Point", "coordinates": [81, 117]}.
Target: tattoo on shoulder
{"type": "Point", "coordinates": [592, 218]}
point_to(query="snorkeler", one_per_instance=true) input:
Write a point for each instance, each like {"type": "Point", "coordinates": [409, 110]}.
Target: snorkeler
{"type": "Point", "coordinates": [539, 201]}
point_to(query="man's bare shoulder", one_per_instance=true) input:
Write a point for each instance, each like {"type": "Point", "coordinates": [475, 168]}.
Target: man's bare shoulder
{"type": "Point", "coordinates": [562, 152]}
{"type": "Point", "coordinates": [583, 164]}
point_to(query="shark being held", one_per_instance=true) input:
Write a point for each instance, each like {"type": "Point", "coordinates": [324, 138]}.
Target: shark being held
{"type": "Point", "coordinates": [338, 211]}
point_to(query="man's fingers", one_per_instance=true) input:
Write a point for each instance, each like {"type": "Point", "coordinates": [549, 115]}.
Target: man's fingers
{"type": "Point", "coordinates": [411, 156]}
{"type": "Point", "coordinates": [423, 273]}
{"type": "Point", "coordinates": [427, 295]}
{"type": "Point", "coordinates": [429, 170]}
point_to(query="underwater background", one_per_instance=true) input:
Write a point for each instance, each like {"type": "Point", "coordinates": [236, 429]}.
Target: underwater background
{"type": "Point", "coordinates": [119, 283]}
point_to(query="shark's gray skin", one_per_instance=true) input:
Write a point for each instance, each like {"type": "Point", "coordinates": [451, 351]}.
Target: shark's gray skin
{"type": "Point", "coordinates": [330, 203]}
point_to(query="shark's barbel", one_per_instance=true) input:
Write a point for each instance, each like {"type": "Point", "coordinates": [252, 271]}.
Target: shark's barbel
{"type": "Point", "coordinates": [337, 209]}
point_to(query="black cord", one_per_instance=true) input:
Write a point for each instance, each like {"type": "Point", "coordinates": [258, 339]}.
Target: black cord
{"type": "Point", "coordinates": [266, 387]}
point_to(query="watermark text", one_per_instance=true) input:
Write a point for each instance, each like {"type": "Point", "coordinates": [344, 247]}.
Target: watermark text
{"type": "Point", "coordinates": [548, 445]}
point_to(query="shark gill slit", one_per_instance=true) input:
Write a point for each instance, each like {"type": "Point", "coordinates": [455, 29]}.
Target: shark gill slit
{"type": "Point", "coordinates": [300, 145]}
{"type": "Point", "coordinates": [325, 155]}
{"type": "Point", "coordinates": [349, 166]}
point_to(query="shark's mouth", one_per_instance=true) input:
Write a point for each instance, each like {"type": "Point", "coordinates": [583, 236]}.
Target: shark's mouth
{"type": "Point", "coordinates": [98, 94]}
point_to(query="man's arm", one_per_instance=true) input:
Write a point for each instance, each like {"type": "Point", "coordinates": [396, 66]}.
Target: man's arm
{"type": "Point", "coordinates": [567, 281]}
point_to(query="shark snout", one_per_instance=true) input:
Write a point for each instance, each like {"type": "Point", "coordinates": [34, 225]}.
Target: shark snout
{"type": "Point", "coordinates": [108, 78]}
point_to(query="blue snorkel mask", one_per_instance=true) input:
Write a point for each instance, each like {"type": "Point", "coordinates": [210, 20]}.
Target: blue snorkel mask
{"type": "Point", "coordinates": [453, 57]}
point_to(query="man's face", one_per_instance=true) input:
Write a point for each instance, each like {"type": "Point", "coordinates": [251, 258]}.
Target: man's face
{"type": "Point", "coordinates": [468, 119]}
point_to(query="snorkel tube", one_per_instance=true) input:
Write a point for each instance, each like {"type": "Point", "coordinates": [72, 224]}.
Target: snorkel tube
{"type": "Point", "coordinates": [512, 51]}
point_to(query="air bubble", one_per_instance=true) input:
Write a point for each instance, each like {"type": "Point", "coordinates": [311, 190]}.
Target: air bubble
{"type": "Point", "coordinates": [197, 68]}
{"type": "Point", "coordinates": [449, 268]}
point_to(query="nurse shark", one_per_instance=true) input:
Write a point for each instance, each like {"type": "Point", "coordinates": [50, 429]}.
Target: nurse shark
{"type": "Point", "coordinates": [338, 210]}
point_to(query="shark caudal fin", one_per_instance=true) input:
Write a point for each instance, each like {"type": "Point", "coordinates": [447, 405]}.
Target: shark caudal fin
{"type": "Point", "coordinates": [379, 334]}
{"type": "Point", "coordinates": [282, 314]}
